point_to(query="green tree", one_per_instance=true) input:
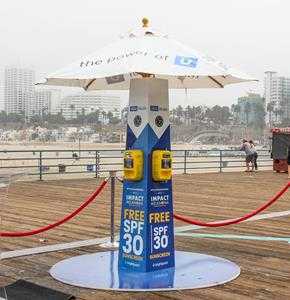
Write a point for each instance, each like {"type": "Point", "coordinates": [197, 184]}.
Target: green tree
{"type": "Point", "coordinates": [259, 116]}
{"type": "Point", "coordinates": [187, 115]}
{"type": "Point", "coordinates": [72, 108]}
{"type": "Point", "coordinates": [3, 116]}
{"type": "Point", "coordinates": [83, 115]}
{"type": "Point", "coordinates": [270, 110]}
{"type": "Point", "coordinates": [192, 115]}
{"type": "Point", "coordinates": [179, 112]}
{"type": "Point", "coordinates": [247, 112]}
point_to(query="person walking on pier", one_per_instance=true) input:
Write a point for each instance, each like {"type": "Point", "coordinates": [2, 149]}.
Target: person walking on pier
{"type": "Point", "coordinates": [249, 155]}
{"type": "Point", "coordinates": [255, 154]}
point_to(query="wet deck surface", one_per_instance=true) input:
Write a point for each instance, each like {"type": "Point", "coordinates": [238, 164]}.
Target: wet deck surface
{"type": "Point", "coordinates": [265, 264]}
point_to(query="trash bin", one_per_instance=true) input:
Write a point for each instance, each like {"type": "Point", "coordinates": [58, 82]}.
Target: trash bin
{"type": "Point", "coordinates": [61, 168]}
{"type": "Point", "coordinates": [43, 169]}
{"type": "Point", "coordinates": [90, 168]}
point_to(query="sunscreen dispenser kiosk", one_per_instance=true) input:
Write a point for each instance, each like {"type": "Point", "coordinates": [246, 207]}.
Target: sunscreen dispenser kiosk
{"type": "Point", "coordinates": [146, 228]}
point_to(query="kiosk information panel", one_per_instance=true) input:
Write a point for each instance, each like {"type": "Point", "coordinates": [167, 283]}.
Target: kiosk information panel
{"type": "Point", "coordinates": [146, 233]}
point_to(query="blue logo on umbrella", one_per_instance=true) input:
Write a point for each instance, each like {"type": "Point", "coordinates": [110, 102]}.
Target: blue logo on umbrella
{"type": "Point", "coordinates": [186, 61]}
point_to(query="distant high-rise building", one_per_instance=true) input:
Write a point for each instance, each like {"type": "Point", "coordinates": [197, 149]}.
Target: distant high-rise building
{"type": "Point", "coordinates": [250, 108]}
{"type": "Point", "coordinates": [277, 96]}
{"type": "Point", "coordinates": [54, 100]}
{"type": "Point", "coordinates": [42, 103]}
{"type": "Point", "coordinates": [45, 102]}
{"type": "Point", "coordinates": [82, 104]}
{"type": "Point", "coordinates": [18, 90]}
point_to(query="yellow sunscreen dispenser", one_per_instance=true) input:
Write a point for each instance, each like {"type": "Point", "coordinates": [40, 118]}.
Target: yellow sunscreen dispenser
{"type": "Point", "coordinates": [133, 165]}
{"type": "Point", "coordinates": [161, 165]}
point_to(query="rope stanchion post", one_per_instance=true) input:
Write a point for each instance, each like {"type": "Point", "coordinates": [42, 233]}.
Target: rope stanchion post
{"type": "Point", "coordinates": [97, 164]}
{"type": "Point", "coordinates": [185, 162]}
{"type": "Point", "coordinates": [221, 161]}
{"type": "Point", "coordinates": [113, 243]}
{"type": "Point", "coordinates": [113, 182]}
{"type": "Point", "coordinates": [40, 165]}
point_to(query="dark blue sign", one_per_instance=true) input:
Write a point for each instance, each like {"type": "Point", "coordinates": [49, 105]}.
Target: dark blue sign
{"type": "Point", "coordinates": [154, 107]}
{"type": "Point", "coordinates": [90, 168]}
{"type": "Point", "coordinates": [134, 108]}
{"type": "Point", "coordinates": [146, 232]}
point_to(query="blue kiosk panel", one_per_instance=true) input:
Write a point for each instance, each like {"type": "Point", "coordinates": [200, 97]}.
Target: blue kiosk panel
{"type": "Point", "coordinates": [146, 233]}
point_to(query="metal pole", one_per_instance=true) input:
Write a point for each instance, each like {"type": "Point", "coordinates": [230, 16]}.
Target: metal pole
{"type": "Point", "coordinates": [97, 164]}
{"type": "Point", "coordinates": [221, 160]}
{"type": "Point", "coordinates": [40, 165]}
{"type": "Point", "coordinates": [184, 164]}
{"type": "Point", "coordinates": [79, 147]}
{"type": "Point", "coordinates": [113, 182]}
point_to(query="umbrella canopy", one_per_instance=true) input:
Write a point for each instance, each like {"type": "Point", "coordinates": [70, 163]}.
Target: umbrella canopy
{"type": "Point", "coordinates": [146, 53]}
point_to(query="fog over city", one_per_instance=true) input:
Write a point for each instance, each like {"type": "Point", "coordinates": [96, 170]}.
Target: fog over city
{"type": "Point", "coordinates": [250, 35]}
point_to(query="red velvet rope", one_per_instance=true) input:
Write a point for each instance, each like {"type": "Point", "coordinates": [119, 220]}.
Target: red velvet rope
{"type": "Point", "coordinates": [176, 216]}
{"type": "Point", "coordinates": [64, 220]}
{"type": "Point", "coordinates": [237, 220]}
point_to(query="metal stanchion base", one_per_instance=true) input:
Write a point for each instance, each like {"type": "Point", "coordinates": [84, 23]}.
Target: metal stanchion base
{"type": "Point", "coordinates": [100, 271]}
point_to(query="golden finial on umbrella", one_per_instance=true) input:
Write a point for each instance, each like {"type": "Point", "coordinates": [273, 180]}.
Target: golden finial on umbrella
{"type": "Point", "coordinates": [145, 22]}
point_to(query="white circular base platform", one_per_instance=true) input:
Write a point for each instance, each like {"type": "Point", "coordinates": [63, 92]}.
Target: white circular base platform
{"type": "Point", "coordinates": [100, 271]}
{"type": "Point", "coordinates": [109, 245]}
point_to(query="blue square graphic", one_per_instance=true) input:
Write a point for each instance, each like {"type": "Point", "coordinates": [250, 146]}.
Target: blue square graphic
{"type": "Point", "coordinates": [153, 107]}
{"type": "Point", "coordinates": [134, 108]}
{"type": "Point", "coordinates": [186, 61]}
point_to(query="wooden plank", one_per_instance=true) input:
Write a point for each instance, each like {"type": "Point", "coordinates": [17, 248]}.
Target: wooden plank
{"type": "Point", "coordinates": [265, 264]}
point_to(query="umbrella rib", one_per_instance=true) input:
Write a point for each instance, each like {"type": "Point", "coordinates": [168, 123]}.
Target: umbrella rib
{"type": "Point", "coordinates": [89, 84]}
{"type": "Point", "coordinates": [215, 81]}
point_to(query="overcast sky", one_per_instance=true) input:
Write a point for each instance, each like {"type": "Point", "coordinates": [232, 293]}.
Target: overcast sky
{"type": "Point", "coordinates": [253, 35]}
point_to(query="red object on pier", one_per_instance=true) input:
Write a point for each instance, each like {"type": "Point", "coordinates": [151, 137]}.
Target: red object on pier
{"type": "Point", "coordinates": [280, 165]}
{"type": "Point", "coordinates": [281, 148]}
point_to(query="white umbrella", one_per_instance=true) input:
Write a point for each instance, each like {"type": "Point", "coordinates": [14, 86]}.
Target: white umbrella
{"type": "Point", "coordinates": [146, 52]}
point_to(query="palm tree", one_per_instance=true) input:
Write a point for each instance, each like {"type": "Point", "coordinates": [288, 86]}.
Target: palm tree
{"type": "Point", "coordinates": [78, 116]}
{"type": "Point", "coordinates": [97, 115]}
{"type": "Point", "coordinates": [247, 111]}
{"type": "Point", "coordinates": [236, 109]}
{"type": "Point", "coordinates": [270, 110]}
{"type": "Point", "coordinates": [72, 108]}
{"type": "Point", "coordinates": [259, 121]}
{"type": "Point", "coordinates": [199, 113]}
{"type": "Point", "coordinates": [281, 113]}
{"type": "Point", "coordinates": [83, 115]}
{"type": "Point", "coordinates": [104, 115]}
{"type": "Point", "coordinates": [173, 115]}
{"type": "Point", "coordinates": [187, 115]}
{"type": "Point", "coordinates": [110, 116]}
{"type": "Point", "coordinates": [276, 112]}
{"type": "Point", "coordinates": [179, 112]}
{"type": "Point", "coordinates": [192, 115]}
{"type": "Point", "coordinates": [3, 116]}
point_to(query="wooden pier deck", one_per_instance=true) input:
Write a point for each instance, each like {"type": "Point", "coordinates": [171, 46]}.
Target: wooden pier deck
{"type": "Point", "coordinates": [265, 265]}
